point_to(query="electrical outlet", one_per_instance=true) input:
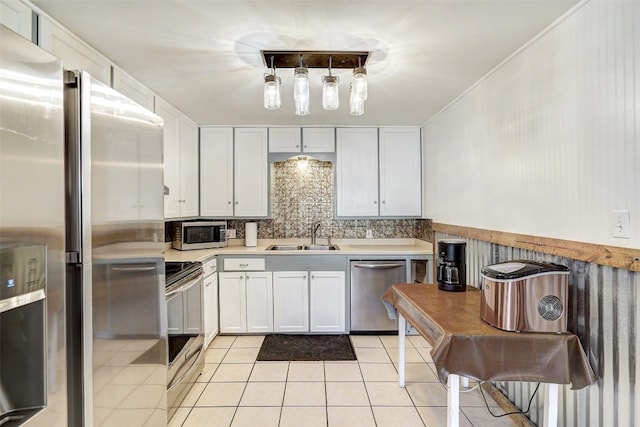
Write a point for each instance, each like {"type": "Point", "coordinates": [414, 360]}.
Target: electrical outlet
{"type": "Point", "coordinates": [369, 234]}
{"type": "Point", "coordinates": [620, 224]}
{"type": "Point", "coordinates": [231, 233]}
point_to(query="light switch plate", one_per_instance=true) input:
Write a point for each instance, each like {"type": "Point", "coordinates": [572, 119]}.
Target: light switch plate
{"type": "Point", "coordinates": [620, 224]}
{"type": "Point", "coordinates": [231, 233]}
{"type": "Point", "coordinates": [369, 234]}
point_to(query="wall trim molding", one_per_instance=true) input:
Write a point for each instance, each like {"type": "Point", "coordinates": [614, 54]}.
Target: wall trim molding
{"type": "Point", "coordinates": [612, 256]}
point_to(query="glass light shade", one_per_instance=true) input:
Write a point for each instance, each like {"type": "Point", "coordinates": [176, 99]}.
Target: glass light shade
{"type": "Point", "coordinates": [330, 100]}
{"type": "Point", "coordinates": [356, 105]}
{"type": "Point", "coordinates": [272, 99]}
{"type": "Point", "coordinates": [301, 90]}
{"type": "Point", "coordinates": [359, 83]}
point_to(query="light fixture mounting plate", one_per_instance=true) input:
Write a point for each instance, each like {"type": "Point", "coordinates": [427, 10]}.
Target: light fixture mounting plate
{"type": "Point", "coordinates": [314, 58]}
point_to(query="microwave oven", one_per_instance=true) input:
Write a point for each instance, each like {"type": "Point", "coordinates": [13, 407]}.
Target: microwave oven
{"type": "Point", "coordinates": [199, 235]}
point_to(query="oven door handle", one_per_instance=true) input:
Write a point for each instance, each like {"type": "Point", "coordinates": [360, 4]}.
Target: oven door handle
{"type": "Point", "coordinates": [194, 358]}
{"type": "Point", "coordinates": [184, 286]}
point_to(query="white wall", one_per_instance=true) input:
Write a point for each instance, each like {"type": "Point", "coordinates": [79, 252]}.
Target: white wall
{"type": "Point", "coordinates": [549, 143]}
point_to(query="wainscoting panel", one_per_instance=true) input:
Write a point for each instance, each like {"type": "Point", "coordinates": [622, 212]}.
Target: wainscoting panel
{"type": "Point", "coordinates": [603, 312]}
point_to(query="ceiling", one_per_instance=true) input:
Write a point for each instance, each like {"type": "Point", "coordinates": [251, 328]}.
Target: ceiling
{"type": "Point", "coordinates": [204, 56]}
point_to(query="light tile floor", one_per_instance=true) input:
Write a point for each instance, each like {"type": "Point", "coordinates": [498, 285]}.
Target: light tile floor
{"type": "Point", "coordinates": [235, 390]}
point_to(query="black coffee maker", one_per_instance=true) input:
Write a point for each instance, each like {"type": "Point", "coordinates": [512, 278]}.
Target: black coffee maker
{"type": "Point", "coordinates": [452, 272]}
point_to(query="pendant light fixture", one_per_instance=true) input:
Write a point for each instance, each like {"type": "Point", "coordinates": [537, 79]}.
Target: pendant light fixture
{"type": "Point", "coordinates": [301, 89]}
{"type": "Point", "coordinates": [359, 82]}
{"type": "Point", "coordinates": [330, 100]}
{"type": "Point", "coordinates": [352, 60]}
{"type": "Point", "coordinates": [272, 100]}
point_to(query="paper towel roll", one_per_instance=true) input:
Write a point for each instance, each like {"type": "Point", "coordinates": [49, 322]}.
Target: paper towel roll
{"type": "Point", "coordinates": [250, 234]}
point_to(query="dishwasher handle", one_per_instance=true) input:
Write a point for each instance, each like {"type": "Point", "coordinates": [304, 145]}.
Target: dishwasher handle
{"type": "Point", "coordinates": [379, 266]}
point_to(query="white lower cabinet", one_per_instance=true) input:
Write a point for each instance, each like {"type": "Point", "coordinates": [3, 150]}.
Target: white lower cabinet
{"type": "Point", "coordinates": [327, 301]}
{"type": "Point", "coordinates": [210, 305]}
{"type": "Point", "coordinates": [246, 302]}
{"type": "Point", "coordinates": [291, 301]}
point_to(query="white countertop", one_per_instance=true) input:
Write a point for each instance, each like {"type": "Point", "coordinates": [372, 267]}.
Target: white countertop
{"type": "Point", "coordinates": [392, 247]}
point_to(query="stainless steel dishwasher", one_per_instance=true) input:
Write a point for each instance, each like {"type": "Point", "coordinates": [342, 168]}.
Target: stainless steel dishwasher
{"type": "Point", "coordinates": [369, 280]}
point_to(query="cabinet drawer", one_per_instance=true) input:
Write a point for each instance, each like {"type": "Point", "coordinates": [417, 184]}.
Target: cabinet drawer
{"type": "Point", "coordinates": [244, 264]}
{"type": "Point", "coordinates": [210, 266]}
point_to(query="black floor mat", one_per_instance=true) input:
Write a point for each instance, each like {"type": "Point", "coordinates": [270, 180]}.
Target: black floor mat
{"type": "Point", "coordinates": [306, 348]}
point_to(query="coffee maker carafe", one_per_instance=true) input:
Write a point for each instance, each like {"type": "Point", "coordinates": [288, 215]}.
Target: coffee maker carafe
{"type": "Point", "coordinates": [452, 273]}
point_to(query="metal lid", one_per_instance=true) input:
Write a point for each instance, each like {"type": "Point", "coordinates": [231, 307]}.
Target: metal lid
{"type": "Point", "coordinates": [520, 268]}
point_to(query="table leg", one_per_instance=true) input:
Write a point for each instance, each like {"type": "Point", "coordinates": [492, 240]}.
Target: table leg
{"type": "Point", "coordinates": [453, 400]}
{"type": "Point", "coordinates": [551, 406]}
{"type": "Point", "coordinates": [402, 327]}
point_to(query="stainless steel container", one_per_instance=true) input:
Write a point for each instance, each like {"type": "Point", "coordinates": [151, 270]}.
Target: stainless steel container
{"type": "Point", "coordinates": [525, 296]}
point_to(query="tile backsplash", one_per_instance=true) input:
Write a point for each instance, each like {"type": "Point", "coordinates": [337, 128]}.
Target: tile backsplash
{"type": "Point", "coordinates": [303, 193]}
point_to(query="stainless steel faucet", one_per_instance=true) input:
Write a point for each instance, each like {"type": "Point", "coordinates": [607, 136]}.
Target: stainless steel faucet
{"type": "Point", "coordinates": [314, 229]}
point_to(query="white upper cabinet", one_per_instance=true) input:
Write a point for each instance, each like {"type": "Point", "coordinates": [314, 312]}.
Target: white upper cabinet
{"type": "Point", "coordinates": [16, 16]}
{"type": "Point", "coordinates": [284, 140]}
{"type": "Point", "coordinates": [180, 162]}
{"type": "Point", "coordinates": [131, 88]}
{"type": "Point", "coordinates": [216, 172]}
{"type": "Point", "coordinates": [250, 174]}
{"type": "Point", "coordinates": [357, 171]}
{"type": "Point", "coordinates": [378, 172]}
{"type": "Point", "coordinates": [75, 54]}
{"type": "Point", "coordinates": [400, 172]}
{"type": "Point", "coordinates": [189, 190]}
{"type": "Point", "coordinates": [234, 172]}
{"type": "Point", "coordinates": [318, 140]}
{"type": "Point", "coordinates": [307, 140]}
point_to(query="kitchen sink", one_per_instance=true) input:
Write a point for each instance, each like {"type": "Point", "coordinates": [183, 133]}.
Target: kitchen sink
{"type": "Point", "coordinates": [321, 247]}
{"type": "Point", "coordinates": [285, 248]}
{"type": "Point", "coordinates": [303, 247]}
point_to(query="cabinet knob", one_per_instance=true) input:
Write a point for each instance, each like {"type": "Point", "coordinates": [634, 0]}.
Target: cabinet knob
{"type": "Point", "coordinates": [384, 202]}
{"type": "Point", "coordinates": [229, 202]}
{"type": "Point", "coordinates": [236, 203]}
{"type": "Point", "coordinates": [306, 146]}
{"type": "Point", "coordinates": [297, 146]}
{"type": "Point", "coordinates": [304, 277]}
{"type": "Point", "coordinates": [375, 202]}
{"type": "Point", "coordinates": [313, 277]}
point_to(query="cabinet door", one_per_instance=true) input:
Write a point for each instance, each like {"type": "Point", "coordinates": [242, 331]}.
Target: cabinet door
{"type": "Point", "coordinates": [232, 297]}
{"type": "Point", "coordinates": [250, 173]}
{"type": "Point", "coordinates": [318, 140]}
{"type": "Point", "coordinates": [189, 190]}
{"type": "Point", "coordinates": [327, 301]}
{"type": "Point", "coordinates": [193, 309]}
{"type": "Point", "coordinates": [357, 171]}
{"type": "Point", "coordinates": [290, 301]}
{"type": "Point", "coordinates": [216, 172]}
{"type": "Point", "coordinates": [400, 172]}
{"type": "Point", "coordinates": [175, 318]}
{"type": "Point", "coordinates": [171, 143]}
{"type": "Point", "coordinates": [284, 140]}
{"type": "Point", "coordinates": [259, 302]}
{"type": "Point", "coordinates": [75, 54]}
{"type": "Point", "coordinates": [16, 16]}
{"type": "Point", "coordinates": [210, 308]}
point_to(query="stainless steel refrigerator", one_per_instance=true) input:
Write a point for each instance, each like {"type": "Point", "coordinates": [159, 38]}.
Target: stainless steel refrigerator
{"type": "Point", "coordinates": [82, 176]}
{"type": "Point", "coordinates": [117, 322]}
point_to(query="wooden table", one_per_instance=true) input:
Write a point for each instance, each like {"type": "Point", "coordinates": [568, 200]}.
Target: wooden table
{"type": "Point", "coordinates": [464, 345]}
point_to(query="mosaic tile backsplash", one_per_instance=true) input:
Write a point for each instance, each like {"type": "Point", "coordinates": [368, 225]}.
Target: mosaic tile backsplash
{"type": "Point", "coordinates": [303, 196]}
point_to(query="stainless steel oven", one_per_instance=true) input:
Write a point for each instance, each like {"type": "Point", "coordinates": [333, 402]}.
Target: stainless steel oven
{"type": "Point", "coordinates": [185, 329]}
